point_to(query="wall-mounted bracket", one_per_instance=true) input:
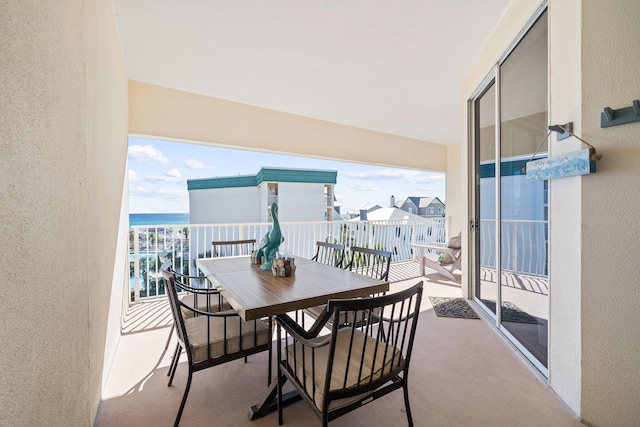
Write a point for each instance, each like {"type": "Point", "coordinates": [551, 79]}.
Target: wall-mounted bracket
{"type": "Point", "coordinates": [610, 117]}
{"type": "Point", "coordinates": [562, 134]}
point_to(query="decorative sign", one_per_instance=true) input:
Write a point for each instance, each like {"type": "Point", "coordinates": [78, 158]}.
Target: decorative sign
{"type": "Point", "coordinates": [569, 164]}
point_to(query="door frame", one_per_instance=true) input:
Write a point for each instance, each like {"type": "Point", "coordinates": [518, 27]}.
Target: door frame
{"type": "Point", "coordinates": [473, 254]}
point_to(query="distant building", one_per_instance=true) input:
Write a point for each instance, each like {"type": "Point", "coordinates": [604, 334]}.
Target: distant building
{"type": "Point", "coordinates": [387, 214]}
{"type": "Point", "coordinates": [363, 211]}
{"type": "Point", "coordinates": [426, 207]}
{"type": "Point", "coordinates": [301, 194]}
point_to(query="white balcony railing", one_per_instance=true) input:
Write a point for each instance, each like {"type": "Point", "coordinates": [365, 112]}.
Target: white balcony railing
{"type": "Point", "coordinates": [185, 243]}
{"type": "Point", "coordinates": [524, 246]}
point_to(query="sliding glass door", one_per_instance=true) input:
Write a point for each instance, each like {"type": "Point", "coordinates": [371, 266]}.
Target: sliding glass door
{"type": "Point", "coordinates": [511, 212]}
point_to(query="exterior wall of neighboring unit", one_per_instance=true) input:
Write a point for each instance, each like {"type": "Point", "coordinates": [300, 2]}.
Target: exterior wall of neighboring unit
{"type": "Point", "coordinates": [224, 205]}
{"type": "Point", "coordinates": [301, 195]}
{"type": "Point", "coordinates": [301, 202]}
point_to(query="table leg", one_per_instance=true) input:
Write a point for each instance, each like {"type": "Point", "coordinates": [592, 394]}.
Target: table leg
{"type": "Point", "coordinates": [269, 403]}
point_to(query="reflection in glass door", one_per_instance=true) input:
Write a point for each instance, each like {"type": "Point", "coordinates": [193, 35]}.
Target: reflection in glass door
{"type": "Point", "coordinates": [485, 131]}
{"type": "Point", "coordinates": [510, 209]}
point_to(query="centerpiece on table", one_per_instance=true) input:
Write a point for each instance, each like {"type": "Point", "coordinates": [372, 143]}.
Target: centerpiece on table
{"type": "Point", "coordinates": [271, 242]}
{"type": "Point", "coordinates": [283, 266]}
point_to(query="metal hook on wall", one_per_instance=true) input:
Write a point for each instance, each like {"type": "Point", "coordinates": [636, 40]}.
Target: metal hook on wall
{"type": "Point", "coordinates": [610, 117]}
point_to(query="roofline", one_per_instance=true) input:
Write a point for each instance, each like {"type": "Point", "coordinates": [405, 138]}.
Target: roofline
{"type": "Point", "coordinates": [268, 174]}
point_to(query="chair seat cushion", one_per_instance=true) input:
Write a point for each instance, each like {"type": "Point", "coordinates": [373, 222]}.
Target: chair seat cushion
{"type": "Point", "coordinates": [209, 303]}
{"type": "Point", "coordinates": [238, 333]}
{"type": "Point", "coordinates": [371, 370]}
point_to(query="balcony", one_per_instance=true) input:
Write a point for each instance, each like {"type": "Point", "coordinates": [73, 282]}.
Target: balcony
{"type": "Point", "coordinates": [454, 361]}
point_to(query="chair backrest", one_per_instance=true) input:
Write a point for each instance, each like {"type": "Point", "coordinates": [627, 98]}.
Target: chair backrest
{"type": "Point", "coordinates": [220, 336]}
{"type": "Point", "coordinates": [455, 243]}
{"type": "Point", "coordinates": [170, 288]}
{"type": "Point", "coordinates": [370, 262]}
{"type": "Point", "coordinates": [361, 358]}
{"type": "Point", "coordinates": [222, 248]}
{"type": "Point", "coordinates": [329, 253]}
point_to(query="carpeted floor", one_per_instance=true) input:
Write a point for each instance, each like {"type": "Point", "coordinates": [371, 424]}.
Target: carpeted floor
{"type": "Point", "coordinates": [452, 307]}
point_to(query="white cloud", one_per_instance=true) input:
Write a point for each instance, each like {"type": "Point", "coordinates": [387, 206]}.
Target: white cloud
{"type": "Point", "coordinates": [133, 176]}
{"type": "Point", "coordinates": [137, 190]}
{"type": "Point", "coordinates": [434, 179]}
{"type": "Point", "coordinates": [196, 164]}
{"type": "Point", "coordinates": [383, 174]}
{"type": "Point", "coordinates": [172, 176]}
{"type": "Point", "coordinates": [365, 186]}
{"type": "Point", "coordinates": [414, 177]}
{"type": "Point", "coordinates": [147, 152]}
{"type": "Point", "coordinates": [173, 173]}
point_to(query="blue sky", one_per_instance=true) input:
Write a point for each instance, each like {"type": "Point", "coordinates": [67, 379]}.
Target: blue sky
{"type": "Point", "coordinates": [159, 170]}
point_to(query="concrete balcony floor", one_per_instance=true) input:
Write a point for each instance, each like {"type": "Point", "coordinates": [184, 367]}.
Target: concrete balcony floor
{"type": "Point", "coordinates": [463, 373]}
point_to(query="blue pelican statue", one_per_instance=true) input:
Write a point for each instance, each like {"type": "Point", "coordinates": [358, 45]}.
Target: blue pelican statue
{"type": "Point", "coordinates": [271, 241]}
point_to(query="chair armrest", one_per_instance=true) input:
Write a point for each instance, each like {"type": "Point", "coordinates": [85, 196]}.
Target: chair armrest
{"type": "Point", "coordinates": [186, 276]}
{"type": "Point", "coordinates": [440, 248]}
{"type": "Point", "coordinates": [298, 333]}
{"type": "Point", "coordinates": [200, 291]}
{"type": "Point", "coordinates": [226, 313]}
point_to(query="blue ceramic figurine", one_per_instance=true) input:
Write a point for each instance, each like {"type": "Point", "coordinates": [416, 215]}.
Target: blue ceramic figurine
{"type": "Point", "coordinates": [271, 241]}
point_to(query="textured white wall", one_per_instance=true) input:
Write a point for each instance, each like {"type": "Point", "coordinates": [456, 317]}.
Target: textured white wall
{"type": "Point", "coordinates": [610, 247]}
{"type": "Point", "coordinates": [224, 205]}
{"type": "Point", "coordinates": [565, 206]}
{"type": "Point", "coordinates": [301, 202]}
{"type": "Point", "coordinates": [594, 341]}
{"type": "Point", "coordinates": [63, 122]}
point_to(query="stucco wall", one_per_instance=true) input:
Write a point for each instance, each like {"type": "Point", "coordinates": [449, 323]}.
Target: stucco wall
{"type": "Point", "coordinates": [610, 246]}
{"type": "Point", "coordinates": [594, 343]}
{"type": "Point", "coordinates": [63, 117]}
{"type": "Point", "coordinates": [565, 218]}
{"type": "Point", "coordinates": [171, 114]}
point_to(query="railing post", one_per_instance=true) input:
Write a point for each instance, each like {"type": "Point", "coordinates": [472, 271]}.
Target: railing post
{"type": "Point", "coordinates": [136, 265]}
{"type": "Point", "coordinates": [513, 248]}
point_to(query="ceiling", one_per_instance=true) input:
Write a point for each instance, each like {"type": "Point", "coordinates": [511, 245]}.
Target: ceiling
{"type": "Point", "coordinates": [393, 66]}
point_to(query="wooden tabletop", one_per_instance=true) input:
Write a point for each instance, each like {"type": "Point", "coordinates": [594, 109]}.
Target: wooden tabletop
{"type": "Point", "coordinates": [256, 293]}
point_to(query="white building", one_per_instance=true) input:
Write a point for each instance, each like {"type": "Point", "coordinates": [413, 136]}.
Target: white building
{"type": "Point", "coordinates": [301, 194]}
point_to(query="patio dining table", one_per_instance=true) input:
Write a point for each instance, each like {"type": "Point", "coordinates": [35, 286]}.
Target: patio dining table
{"type": "Point", "coordinates": [256, 293]}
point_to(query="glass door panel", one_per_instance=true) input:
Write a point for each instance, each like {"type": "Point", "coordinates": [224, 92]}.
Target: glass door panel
{"type": "Point", "coordinates": [486, 190]}
{"type": "Point", "coordinates": [510, 212]}
{"type": "Point", "coordinates": [523, 208]}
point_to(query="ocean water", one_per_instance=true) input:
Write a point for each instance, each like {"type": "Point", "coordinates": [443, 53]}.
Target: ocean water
{"type": "Point", "coordinates": [158, 219]}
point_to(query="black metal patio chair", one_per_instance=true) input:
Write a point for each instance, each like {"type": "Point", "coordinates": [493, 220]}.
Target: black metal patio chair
{"type": "Point", "coordinates": [372, 263]}
{"type": "Point", "coordinates": [355, 365]}
{"type": "Point", "coordinates": [329, 253]}
{"type": "Point", "coordinates": [210, 338]}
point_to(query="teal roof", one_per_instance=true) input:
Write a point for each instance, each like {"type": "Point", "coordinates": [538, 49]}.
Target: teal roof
{"type": "Point", "coordinates": [265, 175]}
